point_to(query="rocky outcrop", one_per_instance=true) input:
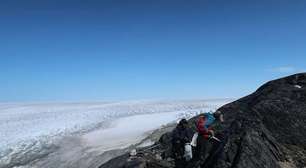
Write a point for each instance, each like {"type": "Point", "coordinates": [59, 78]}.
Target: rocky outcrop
{"type": "Point", "coordinates": [268, 127]}
{"type": "Point", "coordinates": [264, 129]}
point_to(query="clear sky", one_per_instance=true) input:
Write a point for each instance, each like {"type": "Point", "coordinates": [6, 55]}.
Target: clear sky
{"type": "Point", "coordinates": [67, 50]}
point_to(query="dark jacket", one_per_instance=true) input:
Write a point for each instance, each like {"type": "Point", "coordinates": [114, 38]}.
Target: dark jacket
{"type": "Point", "coordinates": [180, 136]}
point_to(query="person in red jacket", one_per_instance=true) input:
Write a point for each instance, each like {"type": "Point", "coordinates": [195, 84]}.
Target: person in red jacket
{"type": "Point", "coordinates": [205, 132]}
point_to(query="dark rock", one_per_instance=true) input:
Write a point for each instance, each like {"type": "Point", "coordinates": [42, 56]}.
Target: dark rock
{"type": "Point", "coordinates": [264, 129]}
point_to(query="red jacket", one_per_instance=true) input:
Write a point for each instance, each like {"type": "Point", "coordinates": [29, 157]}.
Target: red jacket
{"type": "Point", "coordinates": [202, 130]}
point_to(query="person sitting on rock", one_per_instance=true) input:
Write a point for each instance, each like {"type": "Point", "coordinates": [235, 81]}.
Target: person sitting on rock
{"type": "Point", "coordinates": [181, 135]}
{"type": "Point", "coordinates": [205, 132]}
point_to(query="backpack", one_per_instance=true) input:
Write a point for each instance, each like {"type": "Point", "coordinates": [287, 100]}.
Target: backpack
{"type": "Point", "coordinates": [209, 119]}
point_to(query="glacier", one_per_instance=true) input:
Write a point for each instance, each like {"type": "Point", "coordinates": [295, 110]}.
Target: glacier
{"type": "Point", "coordinates": [60, 134]}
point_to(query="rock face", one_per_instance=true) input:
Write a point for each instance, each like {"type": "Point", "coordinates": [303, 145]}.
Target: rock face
{"type": "Point", "coordinates": [266, 129]}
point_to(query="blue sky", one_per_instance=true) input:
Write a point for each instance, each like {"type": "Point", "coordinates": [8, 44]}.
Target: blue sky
{"type": "Point", "coordinates": [60, 50]}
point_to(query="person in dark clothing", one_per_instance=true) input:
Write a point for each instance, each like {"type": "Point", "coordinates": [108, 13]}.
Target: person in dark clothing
{"type": "Point", "coordinates": [181, 135]}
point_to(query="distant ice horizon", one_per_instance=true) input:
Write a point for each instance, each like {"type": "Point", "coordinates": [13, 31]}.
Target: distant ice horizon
{"type": "Point", "coordinates": [77, 101]}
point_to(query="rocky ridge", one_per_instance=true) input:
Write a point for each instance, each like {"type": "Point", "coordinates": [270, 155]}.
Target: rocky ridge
{"type": "Point", "coordinates": [266, 129]}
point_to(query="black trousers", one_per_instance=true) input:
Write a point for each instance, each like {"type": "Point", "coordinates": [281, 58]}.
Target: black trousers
{"type": "Point", "coordinates": [201, 148]}
{"type": "Point", "coordinates": [180, 163]}
{"type": "Point", "coordinates": [178, 149]}
{"type": "Point", "coordinates": [199, 153]}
